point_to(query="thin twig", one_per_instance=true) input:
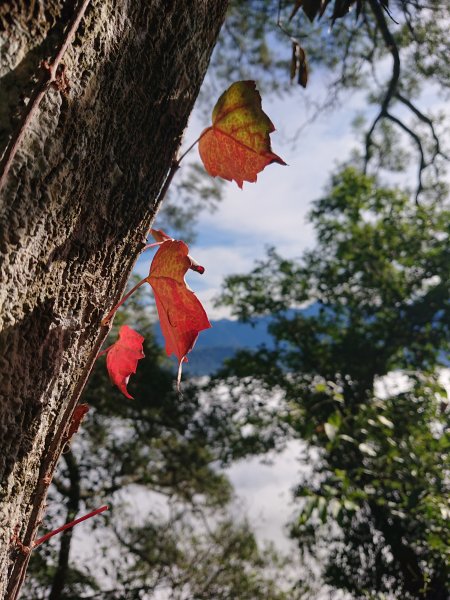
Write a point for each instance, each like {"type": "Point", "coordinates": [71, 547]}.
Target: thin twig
{"type": "Point", "coordinates": [48, 76]}
{"type": "Point", "coordinates": [416, 138]}
{"type": "Point", "coordinates": [419, 114]}
{"type": "Point", "coordinates": [49, 535]}
{"type": "Point", "coordinates": [395, 77]}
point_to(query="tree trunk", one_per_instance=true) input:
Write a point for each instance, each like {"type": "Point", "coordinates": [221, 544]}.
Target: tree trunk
{"type": "Point", "coordinates": [79, 198]}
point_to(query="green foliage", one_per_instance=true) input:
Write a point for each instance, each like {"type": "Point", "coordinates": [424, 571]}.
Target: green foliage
{"type": "Point", "coordinates": [379, 278]}
{"type": "Point", "coordinates": [221, 563]}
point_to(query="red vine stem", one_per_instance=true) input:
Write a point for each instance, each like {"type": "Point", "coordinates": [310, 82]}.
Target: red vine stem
{"type": "Point", "coordinates": [47, 536]}
{"type": "Point", "coordinates": [148, 246]}
{"type": "Point", "coordinates": [103, 352]}
{"type": "Point", "coordinates": [111, 313]}
{"type": "Point", "coordinates": [162, 193]}
{"type": "Point", "coordinates": [48, 76]}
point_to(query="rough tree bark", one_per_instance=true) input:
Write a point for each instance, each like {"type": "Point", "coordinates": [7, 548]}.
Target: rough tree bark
{"type": "Point", "coordinates": [78, 201]}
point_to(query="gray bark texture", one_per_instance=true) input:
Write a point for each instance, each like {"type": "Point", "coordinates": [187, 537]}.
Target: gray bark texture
{"type": "Point", "coordinates": [78, 201]}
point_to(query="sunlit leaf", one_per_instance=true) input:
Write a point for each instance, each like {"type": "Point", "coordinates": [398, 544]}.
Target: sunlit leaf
{"type": "Point", "coordinates": [237, 145]}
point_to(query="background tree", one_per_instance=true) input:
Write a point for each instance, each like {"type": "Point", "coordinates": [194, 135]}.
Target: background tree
{"type": "Point", "coordinates": [379, 282]}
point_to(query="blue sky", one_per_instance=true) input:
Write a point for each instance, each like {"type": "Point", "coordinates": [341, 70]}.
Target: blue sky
{"type": "Point", "coordinates": [272, 211]}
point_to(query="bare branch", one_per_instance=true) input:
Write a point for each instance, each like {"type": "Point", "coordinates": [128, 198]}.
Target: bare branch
{"type": "Point", "coordinates": [419, 114]}
{"type": "Point", "coordinates": [393, 83]}
{"type": "Point", "coordinates": [423, 165]}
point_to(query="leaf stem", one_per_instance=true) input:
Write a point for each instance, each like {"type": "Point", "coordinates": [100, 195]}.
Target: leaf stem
{"type": "Point", "coordinates": [192, 146]}
{"type": "Point", "coordinates": [180, 370]}
{"type": "Point", "coordinates": [148, 246]}
{"type": "Point", "coordinates": [103, 352]}
{"type": "Point", "coordinates": [47, 536]}
{"type": "Point", "coordinates": [111, 313]}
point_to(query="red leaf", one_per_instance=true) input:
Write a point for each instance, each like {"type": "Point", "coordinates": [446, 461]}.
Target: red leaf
{"type": "Point", "coordinates": [180, 312]}
{"type": "Point", "coordinates": [237, 145]}
{"type": "Point", "coordinates": [122, 357]}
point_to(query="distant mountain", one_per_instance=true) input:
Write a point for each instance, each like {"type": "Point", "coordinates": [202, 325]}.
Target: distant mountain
{"type": "Point", "coordinates": [223, 339]}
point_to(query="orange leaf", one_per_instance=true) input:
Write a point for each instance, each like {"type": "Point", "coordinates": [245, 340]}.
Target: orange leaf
{"type": "Point", "coordinates": [122, 357]}
{"type": "Point", "coordinates": [181, 314]}
{"type": "Point", "coordinates": [237, 145]}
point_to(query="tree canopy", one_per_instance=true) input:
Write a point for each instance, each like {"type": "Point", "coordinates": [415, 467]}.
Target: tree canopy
{"type": "Point", "coordinates": [378, 280]}
{"type": "Point", "coordinates": [395, 52]}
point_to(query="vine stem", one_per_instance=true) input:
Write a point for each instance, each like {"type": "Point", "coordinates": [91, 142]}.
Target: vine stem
{"type": "Point", "coordinates": [47, 536]}
{"type": "Point", "coordinates": [173, 169]}
{"type": "Point", "coordinates": [112, 312]}
{"type": "Point", "coordinates": [105, 351]}
{"type": "Point", "coordinates": [48, 76]}
{"type": "Point", "coordinates": [148, 246]}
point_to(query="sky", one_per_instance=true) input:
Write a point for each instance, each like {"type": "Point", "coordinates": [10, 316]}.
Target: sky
{"type": "Point", "coordinates": [272, 211]}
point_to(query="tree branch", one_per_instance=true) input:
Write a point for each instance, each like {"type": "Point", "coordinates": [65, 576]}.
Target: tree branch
{"type": "Point", "coordinates": [395, 77]}
{"type": "Point", "coordinates": [419, 114]}
{"type": "Point", "coordinates": [416, 138]}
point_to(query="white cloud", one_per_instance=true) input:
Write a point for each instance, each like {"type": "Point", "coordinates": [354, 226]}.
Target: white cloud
{"type": "Point", "coordinates": [274, 209]}
{"type": "Point", "coordinates": [265, 492]}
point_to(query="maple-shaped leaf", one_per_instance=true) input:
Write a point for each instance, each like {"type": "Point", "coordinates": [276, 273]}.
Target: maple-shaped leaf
{"type": "Point", "coordinates": [180, 312]}
{"type": "Point", "coordinates": [237, 145]}
{"type": "Point", "coordinates": [122, 357]}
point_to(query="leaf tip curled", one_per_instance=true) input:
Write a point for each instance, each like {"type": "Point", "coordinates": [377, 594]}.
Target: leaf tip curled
{"type": "Point", "coordinates": [159, 235]}
{"type": "Point", "coordinates": [122, 358]}
{"type": "Point", "coordinates": [194, 266]}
